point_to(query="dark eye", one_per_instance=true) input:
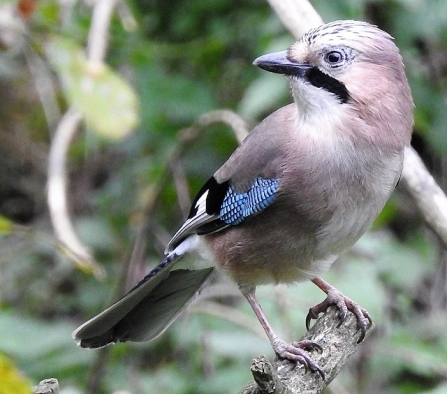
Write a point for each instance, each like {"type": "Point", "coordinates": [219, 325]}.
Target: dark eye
{"type": "Point", "coordinates": [333, 58]}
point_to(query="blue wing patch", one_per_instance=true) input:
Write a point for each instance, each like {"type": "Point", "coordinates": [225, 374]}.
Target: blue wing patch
{"type": "Point", "coordinates": [236, 207]}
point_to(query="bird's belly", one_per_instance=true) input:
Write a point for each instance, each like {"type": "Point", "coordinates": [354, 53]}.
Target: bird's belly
{"type": "Point", "coordinates": [268, 250]}
{"type": "Point", "coordinates": [276, 248]}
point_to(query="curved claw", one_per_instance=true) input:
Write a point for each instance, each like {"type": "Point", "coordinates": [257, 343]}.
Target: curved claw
{"type": "Point", "coordinates": [309, 345]}
{"type": "Point", "coordinates": [310, 315]}
{"type": "Point", "coordinates": [363, 320]}
{"type": "Point", "coordinates": [297, 352]}
{"type": "Point", "coordinates": [344, 304]}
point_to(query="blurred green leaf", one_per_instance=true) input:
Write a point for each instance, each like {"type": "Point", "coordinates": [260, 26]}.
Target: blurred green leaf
{"type": "Point", "coordinates": [389, 256]}
{"type": "Point", "coordinates": [108, 103]}
{"type": "Point", "coordinates": [40, 347]}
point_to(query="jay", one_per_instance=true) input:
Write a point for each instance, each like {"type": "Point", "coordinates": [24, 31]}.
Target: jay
{"type": "Point", "coordinates": [302, 188]}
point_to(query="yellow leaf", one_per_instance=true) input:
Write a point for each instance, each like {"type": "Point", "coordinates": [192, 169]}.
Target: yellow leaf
{"type": "Point", "coordinates": [11, 380]}
{"type": "Point", "coordinates": [6, 225]}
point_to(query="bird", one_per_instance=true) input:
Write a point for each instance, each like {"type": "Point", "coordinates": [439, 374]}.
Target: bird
{"type": "Point", "coordinates": [300, 190]}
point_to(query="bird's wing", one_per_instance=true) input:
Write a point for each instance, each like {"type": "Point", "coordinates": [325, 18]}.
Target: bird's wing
{"type": "Point", "coordinates": [246, 183]}
{"type": "Point", "coordinates": [219, 205]}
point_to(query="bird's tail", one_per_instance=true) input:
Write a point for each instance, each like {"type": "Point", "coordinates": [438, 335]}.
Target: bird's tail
{"type": "Point", "coordinates": [148, 309]}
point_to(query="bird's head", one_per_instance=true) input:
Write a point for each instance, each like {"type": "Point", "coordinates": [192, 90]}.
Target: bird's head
{"type": "Point", "coordinates": [341, 65]}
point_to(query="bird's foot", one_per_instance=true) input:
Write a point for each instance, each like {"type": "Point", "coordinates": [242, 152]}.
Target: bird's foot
{"type": "Point", "coordinates": [344, 304]}
{"type": "Point", "coordinates": [297, 352]}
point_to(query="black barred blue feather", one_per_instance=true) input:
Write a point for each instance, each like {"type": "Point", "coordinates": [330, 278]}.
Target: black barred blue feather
{"type": "Point", "coordinates": [218, 205]}
{"type": "Point", "coordinates": [236, 207]}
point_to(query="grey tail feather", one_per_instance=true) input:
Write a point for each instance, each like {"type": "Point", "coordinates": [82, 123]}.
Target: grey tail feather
{"type": "Point", "coordinates": [148, 309]}
{"type": "Point", "coordinates": [168, 260]}
{"type": "Point", "coordinates": [104, 321]}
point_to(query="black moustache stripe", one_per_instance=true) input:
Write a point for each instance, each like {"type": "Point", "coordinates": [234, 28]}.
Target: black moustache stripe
{"type": "Point", "coordinates": [321, 80]}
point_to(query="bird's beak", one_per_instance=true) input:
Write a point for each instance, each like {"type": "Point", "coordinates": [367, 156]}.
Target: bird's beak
{"type": "Point", "coordinates": [279, 63]}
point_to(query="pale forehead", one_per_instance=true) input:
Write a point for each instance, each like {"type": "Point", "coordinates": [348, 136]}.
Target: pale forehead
{"type": "Point", "coordinates": [351, 33]}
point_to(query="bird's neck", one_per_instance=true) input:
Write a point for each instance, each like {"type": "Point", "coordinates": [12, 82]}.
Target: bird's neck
{"type": "Point", "coordinates": [325, 119]}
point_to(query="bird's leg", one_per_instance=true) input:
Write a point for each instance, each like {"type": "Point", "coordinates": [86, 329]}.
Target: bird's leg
{"type": "Point", "coordinates": [295, 351]}
{"type": "Point", "coordinates": [343, 303]}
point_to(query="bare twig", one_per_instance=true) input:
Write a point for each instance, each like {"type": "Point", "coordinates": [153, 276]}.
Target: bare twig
{"type": "Point", "coordinates": [181, 185]}
{"type": "Point", "coordinates": [97, 371]}
{"type": "Point", "coordinates": [99, 31]}
{"type": "Point", "coordinates": [185, 139]}
{"type": "Point", "coordinates": [127, 19]}
{"type": "Point", "coordinates": [426, 193]}
{"type": "Point", "coordinates": [47, 386]}
{"type": "Point", "coordinates": [298, 16]}
{"type": "Point", "coordinates": [131, 271]}
{"type": "Point", "coordinates": [230, 118]}
{"type": "Point", "coordinates": [57, 194]}
{"type": "Point", "coordinates": [230, 314]}
{"type": "Point", "coordinates": [65, 132]}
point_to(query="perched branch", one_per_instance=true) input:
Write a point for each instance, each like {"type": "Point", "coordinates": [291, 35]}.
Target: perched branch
{"type": "Point", "coordinates": [339, 342]}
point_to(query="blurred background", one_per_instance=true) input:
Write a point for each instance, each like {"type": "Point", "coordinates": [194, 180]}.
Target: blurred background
{"type": "Point", "coordinates": [133, 171]}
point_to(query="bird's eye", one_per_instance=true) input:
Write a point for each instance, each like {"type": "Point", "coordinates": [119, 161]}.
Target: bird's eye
{"type": "Point", "coordinates": [334, 58]}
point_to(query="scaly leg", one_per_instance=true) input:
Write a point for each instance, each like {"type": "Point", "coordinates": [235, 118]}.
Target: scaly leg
{"type": "Point", "coordinates": [343, 303]}
{"type": "Point", "coordinates": [295, 351]}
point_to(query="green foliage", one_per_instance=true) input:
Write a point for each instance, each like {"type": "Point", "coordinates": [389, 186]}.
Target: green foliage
{"type": "Point", "coordinates": [41, 346]}
{"type": "Point", "coordinates": [107, 102]}
{"type": "Point", "coordinates": [165, 67]}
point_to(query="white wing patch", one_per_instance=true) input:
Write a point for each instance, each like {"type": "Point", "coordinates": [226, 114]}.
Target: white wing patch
{"type": "Point", "coordinates": [192, 224]}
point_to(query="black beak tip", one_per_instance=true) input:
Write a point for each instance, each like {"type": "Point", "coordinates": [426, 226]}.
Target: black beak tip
{"type": "Point", "coordinates": [271, 59]}
{"type": "Point", "coordinates": [279, 63]}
